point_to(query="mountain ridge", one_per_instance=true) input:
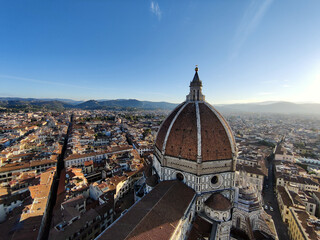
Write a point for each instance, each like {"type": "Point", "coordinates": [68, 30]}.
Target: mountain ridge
{"type": "Point", "coordinates": [62, 104]}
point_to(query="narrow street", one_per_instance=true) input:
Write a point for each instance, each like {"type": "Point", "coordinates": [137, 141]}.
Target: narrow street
{"type": "Point", "coordinates": [270, 199]}
{"type": "Point", "coordinates": [53, 196]}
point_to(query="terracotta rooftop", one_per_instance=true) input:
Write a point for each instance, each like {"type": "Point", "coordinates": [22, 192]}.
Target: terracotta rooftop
{"type": "Point", "coordinates": [70, 230]}
{"type": "Point", "coordinates": [303, 216]}
{"type": "Point", "coordinates": [155, 216]}
{"type": "Point", "coordinates": [218, 202]}
{"type": "Point", "coordinates": [250, 169]}
{"type": "Point", "coordinates": [179, 133]}
{"type": "Point", "coordinates": [92, 154]}
{"type": "Point", "coordinates": [165, 126]}
{"type": "Point", "coordinates": [182, 140]}
{"type": "Point", "coordinates": [201, 229]}
{"type": "Point", "coordinates": [296, 198]}
{"type": "Point", "coordinates": [31, 218]}
{"type": "Point", "coordinates": [88, 163]}
{"type": "Point", "coordinates": [284, 196]}
{"type": "Point", "coordinates": [22, 165]}
{"type": "Point", "coordinates": [152, 180]}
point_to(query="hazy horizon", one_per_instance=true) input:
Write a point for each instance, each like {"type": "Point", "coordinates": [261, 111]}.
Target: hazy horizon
{"type": "Point", "coordinates": [105, 99]}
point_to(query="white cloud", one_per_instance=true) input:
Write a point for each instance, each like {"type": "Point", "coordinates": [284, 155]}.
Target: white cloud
{"type": "Point", "coordinates": [250, 20]}
{"type": "Point", "coordinates": [155, 9]}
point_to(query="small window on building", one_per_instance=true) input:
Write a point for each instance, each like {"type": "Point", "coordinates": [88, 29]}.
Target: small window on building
{"type": "Point", "coordinates": [238, 222]}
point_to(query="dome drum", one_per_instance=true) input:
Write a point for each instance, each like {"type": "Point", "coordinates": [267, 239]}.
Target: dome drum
{"type": "Point", "coordinates": [209, 167]}
{"type": "Point", "coordinates": [201, 184]}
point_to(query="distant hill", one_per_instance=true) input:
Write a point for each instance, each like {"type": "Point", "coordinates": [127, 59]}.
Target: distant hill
{"type": "Point", "coordinates": [125, 103]}
{"type": "Point", "coordinates": [69, 101]}
{"type": "Point", "coordinates": [33, 104]}
{"type": "Point", "coordinates": [273, 107]}
{"type": "Point", "coordinates": [62, 104]}
{"type": "Point", "coordinates": [91, 104]}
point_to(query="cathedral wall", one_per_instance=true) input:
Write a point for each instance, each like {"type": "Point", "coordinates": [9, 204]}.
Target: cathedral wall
{"type": "Point", "coordinates": [216, 166]}
{"type": "Point", "coordinates": [217, 215]}
{"type": "Point", "coordinates": [224, 180]}
{"type": "Point", "coordinates": [157, 166]}
{"type": "Point", "coordinates": [200, 184]}
{"type": "Point", "coordinates": [185, 224]}
{"type": "Point", "coordinates": [223, 231]}
{"type": "Point", "coordinates": [157, 154]}
{"type": "Point", "coordinates": [183, 165]}
{"type": "Point", "coordinates": [239, 221]}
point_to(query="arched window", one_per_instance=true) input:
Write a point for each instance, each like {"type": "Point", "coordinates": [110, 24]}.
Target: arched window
{"type": "Point", "coordinates": [238, 222]}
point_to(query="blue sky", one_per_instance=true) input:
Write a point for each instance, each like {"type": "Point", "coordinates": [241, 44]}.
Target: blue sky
{"type": "Point", "coordinates": [247, 51]}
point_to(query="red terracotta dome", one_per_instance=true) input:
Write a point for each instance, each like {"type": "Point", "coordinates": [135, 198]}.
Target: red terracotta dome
{"type": "Point", "coordinates": [196, 131]}
{"type": "Point", "coordinates": [218, 202]}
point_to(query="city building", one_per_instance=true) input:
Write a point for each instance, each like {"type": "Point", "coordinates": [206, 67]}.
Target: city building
{"type": "Point", "coordinates": [283, 154]}
{"type": "Point", "coordinates": [302, 226]}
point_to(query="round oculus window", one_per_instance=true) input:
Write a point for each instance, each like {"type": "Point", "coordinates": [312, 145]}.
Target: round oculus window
{"type": "Point", "coordinates": [214, 180]}
{"type": "Point", "coordinates": [179, 176]}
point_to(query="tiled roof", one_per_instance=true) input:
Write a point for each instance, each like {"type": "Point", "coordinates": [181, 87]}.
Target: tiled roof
{"type": "Point", "coordinates": [92, 154]}
{"type": "Point", "coordinates": [182, 140]}
{"type": "Point", "coordinates": [284, 196]}
{"type": "Point", "coordinates": [31, 220]}
{"type": "Point", "coordinates": [23, 165]}
{"type": "Point", "coordinates": [303, 217]}
{"type": "Point", "coordinates": [218, 202]}
{"type": "Point", "coordinates": [201, 229]}
{"type": "Point", "coordinates": [250, 169]}
{"type": "Point", "coordinates": [165, 126]}
{"type": "Point", "coordinates": [155, 216]}
{"type": "Point", "coordinates": [215, 143]}
{"type": "Point", "coordinates": [152, 180]}
{"type": "Point", "coordinates": [185, 130]}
